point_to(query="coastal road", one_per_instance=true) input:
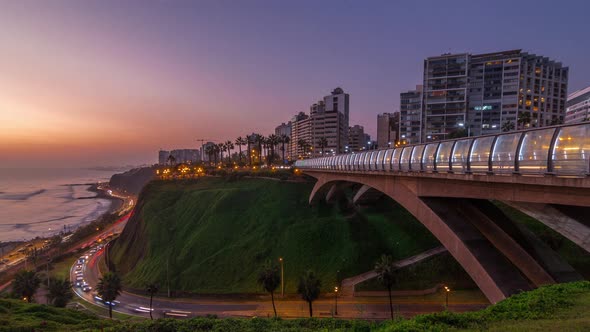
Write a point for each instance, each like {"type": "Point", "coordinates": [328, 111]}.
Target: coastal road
{"type": "Point", "coordinates": [348, 307]}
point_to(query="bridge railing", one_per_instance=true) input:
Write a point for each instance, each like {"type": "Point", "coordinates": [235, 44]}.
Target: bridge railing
{"type": "Point", "coordinates": [559, 150]}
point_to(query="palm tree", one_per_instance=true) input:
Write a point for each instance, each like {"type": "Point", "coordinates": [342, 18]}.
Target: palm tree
{"type": "Point", "coordinates": [216, 151]}
{"type": "Point", "coordinates": [524, 118]}
{"type": "Point", "coordinates": [25, 284]}
{"type": "Point", "coordinates": [239, 142]}
{"type": "Point", "coordinates": [284, 140]}
{"type": "Point", "coordinates": [303, 145]}
{"type": "Point", "coordinates": [59, 292]}
{"type": "Point", "coordinates": [275, 140]}
{"type": "Point", "coordinates": [385, 273]}
{"type": "Point", "coordinates": [270, 279]}
{"type": "Point", "coordinates": [108, 288]}
{"type": "Point", "coordinates": [309, 288]}
{"type": "Point", "coordinates": [151, 289]}
{"type": "Point", "coordinates": [261, 146]}
{"type": "Point", "coordinates": [209, 151]}
{"type": "Point", "coordinates": [171, 160]}
{"type": "Point", "coordinates": [250, 140]}
{"type": "Point", "coordinates": [220, 149]}
{"type": "Point", "coordinates": [229, 146]}
{"type": "Point", "coordinates": [322, 144]}
{"type": "Point", "coordinates": [507, 126]}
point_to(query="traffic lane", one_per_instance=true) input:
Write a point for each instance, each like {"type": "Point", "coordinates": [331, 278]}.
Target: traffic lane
{"type": "Point", "coordinates": [131, 302]}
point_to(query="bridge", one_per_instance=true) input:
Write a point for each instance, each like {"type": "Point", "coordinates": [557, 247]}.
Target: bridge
{"type": "Point", "coordinates": [449, 185]}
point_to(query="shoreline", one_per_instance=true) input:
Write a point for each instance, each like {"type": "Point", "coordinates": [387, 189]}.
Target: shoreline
{"type": "Point", "coordinates": [116, 202]}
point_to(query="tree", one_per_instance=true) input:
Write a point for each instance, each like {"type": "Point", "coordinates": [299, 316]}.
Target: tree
{"type": "Point", "coordinates": [25, 284]}
{"type": "Point", "coordinates": [171, 160]}
{"type": "Point", "coordinates": [269, 278]}
{"type": "Point", "coordinates": [229, 146]}
{"type": "Point", "coordinates": [458, 133]}
{"type": "Point", "coordinates": [284, 140]}
{"type": "Point", "coordinates": [209, 150]}
{"type": "Point", "coordinates": [273, 141]}
{"type": "Point", "coordinates": [303, 145]}
{"type": "Point", "coordinates": [524, 119]}
{"type": "Point", "coordinates": [261, 146]}
{"type": "Point", "coordinates": [151, 289]}
{"type": "Point", "coordinates": [239, 142]}
{"type": "Point", "coordinates": [59, 292]}
{"type": "Point", "coordinates": [220, 149]}
{"type": "Point", "coordinates": [322, 144]}
{"type": "Point", "coordinates": [385, 273]}
{"type": "Point", "coordinates": [249, 140]}
{"type": "Point", "coordinates": [309, 288]}
{"type": "Point", "coordinates": [108, 288]}
{"type": "Point", "coordinates": [507, 126]}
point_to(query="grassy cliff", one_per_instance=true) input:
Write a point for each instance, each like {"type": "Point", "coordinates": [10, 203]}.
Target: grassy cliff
{"type": "Point", "coordinates": [212, 235]}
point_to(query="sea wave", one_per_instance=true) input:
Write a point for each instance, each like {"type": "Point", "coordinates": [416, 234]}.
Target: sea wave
{"type": "Point", "coordinates": [21, 197]}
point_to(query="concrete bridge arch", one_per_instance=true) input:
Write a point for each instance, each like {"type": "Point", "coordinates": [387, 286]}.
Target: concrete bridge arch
{"type": "Point", "coordinates": [499, 257]}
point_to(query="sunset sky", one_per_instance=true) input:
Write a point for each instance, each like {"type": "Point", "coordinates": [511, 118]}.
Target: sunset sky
{"type": "Point", "coordinates": [85, 83]}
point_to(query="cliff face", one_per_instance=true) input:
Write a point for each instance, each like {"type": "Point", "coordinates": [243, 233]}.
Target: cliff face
{"type": "Point", "coordinates": [133, 180]}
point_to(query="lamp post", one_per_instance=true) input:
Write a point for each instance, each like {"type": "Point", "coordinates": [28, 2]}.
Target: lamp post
{"type": "Point", "coordinates": [282, 278]}
{"type": "Point", "coordinates": [447, 291]}
{"type": "Point", "coordinates": [336, 300]}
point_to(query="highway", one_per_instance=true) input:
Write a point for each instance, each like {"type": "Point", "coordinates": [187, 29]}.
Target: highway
{"type": "Point", "coordinates": [258, 306]}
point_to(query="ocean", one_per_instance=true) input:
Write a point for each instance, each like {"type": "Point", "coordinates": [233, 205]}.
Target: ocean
{"type": "Point", "coordinates": [41, 202]}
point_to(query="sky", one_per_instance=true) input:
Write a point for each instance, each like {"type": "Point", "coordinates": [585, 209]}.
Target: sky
{"type": "Point", "coordinates": [101, 83]}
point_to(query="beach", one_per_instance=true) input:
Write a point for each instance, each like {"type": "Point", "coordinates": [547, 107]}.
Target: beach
{"type": "Point", "coordinates": [45, 202]}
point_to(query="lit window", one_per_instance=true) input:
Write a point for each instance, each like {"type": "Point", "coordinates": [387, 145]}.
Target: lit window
{"type": "Point", "coordinates": [528, 102]}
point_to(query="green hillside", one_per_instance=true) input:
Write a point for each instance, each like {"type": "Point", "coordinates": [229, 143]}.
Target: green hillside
{"type": "Point", "coordinates": [213, 235]}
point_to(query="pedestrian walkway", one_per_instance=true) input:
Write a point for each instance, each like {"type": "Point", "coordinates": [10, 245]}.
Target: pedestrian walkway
{"type": "Point", "coordinates": [349, 284]}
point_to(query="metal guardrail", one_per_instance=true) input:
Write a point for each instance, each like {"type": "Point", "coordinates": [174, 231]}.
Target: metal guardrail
{"type": "Point", "coordinates": [558, 150]}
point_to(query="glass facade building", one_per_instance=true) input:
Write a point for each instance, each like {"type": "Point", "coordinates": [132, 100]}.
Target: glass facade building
{"type": "Point", "coordinates": [479, 94]}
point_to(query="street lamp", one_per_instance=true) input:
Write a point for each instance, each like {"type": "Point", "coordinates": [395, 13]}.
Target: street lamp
{"type": "Point", "coordinates": [336, 300]}
{"type": "Point", "coordinates": [282, 278]}
{"type": "Point", "coordinates": [447, 291]}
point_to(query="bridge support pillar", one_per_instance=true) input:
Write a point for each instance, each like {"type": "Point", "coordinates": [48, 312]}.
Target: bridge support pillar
{"type": "Point", "coordinates": [575, 231]}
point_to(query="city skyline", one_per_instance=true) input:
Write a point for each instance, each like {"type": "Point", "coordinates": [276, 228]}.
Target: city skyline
{"type": "Point", "coordinates": [108, 83]}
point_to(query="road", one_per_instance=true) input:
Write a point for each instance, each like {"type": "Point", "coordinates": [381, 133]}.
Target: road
{"type": "Point", "coordinates": [348, 307]}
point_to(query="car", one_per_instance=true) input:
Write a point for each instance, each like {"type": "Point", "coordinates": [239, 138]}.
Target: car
{"type": "Point", "coordinates": [79, 281]}
{"type": "Point", "coordinates": [86, 288]}
{"type": "Point", "coordinates": [99, 299]}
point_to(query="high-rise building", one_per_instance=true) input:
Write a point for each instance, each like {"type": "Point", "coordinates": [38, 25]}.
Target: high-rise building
{"type": "Point", "coordinates": [283, 129]}
{"type": "Point", "coordinates": [410, 119]}
{"type": "Point", "coordinates": [163, 157]}
{"type": "Point", "coordinates": [186, 155]}
{"type": "Point", "coordinates": [300, 132]}
{"type": "Point", "coordinates": [179, 156]}
{"type": "Point", "coordinates": [578, 106]}
{"type": "Point", "coordinates": [356, 139]}
{"type": "Point", "coordinates": [387, 129]}
{"type": "Point", "coordinates": [488, 93]}
{"type": "Point", "coordinates": [329, 123]}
